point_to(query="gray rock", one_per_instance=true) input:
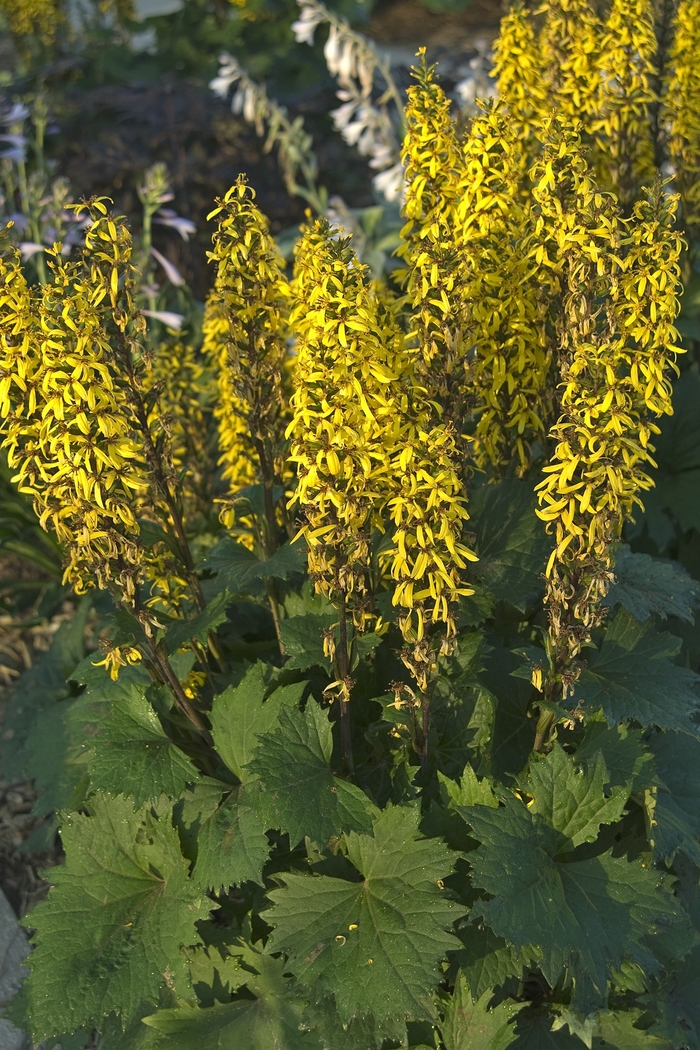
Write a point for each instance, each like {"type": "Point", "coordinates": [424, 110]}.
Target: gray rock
{"type": "Point", "coordinates": [14, 948]}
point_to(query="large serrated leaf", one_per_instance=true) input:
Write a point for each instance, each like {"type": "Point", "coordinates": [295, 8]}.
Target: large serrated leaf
{"type": "Point", "coordinates": [302, 637]}
{"type": "Point", "coordinates": [627, 760]}
{"type": "Point", "coordinates": [573, 801]}
{"type": "Point", "coordinates": [375, 944]}
{"type": "Point", "coordinates": [469, 1024]}
{"type": "Point", "coordinates": [239, 715]}
{"type": "Point", "coordinates": [677, 479]}
{"type": "Point", "coordinates": [616, 1030]}
{"type": "Point", "coordinates": [110, 932]}
{"type": "Point", "coordinates": [242, 571]}
{"type": "Point", "coordinates": [487, 961]}
{"type": "Point", "coordinates": [648, 586]}
{"type": "Point", "coordinates": [510, 540]}
{"type": "Point", "coordinates": [232, 846]}
{"type": "Point", "coordinates": [199, 627]}
{"type": "Point", "coordinates": [38, 690]}
{"type": "Point", "coordinates": [133, 755]}
{"type": "Point", "coordinates": [677, 1005]}
{"type": "Point", "coordinates": [269, 1021]}
{"type": "Point", "coordinates": [590, 913]}
{"type": "Point", "coordinates": [300, 794]}
{"type": "Point", "coordinates": [632, 677]}
{"type": "Point", "coordinates": [675, 813]}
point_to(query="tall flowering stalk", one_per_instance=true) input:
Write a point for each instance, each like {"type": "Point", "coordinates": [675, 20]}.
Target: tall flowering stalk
{"type": "Point", "coordinates": [346, 417]}
{"type": "Point", "coordinates": [517, 68]}
{"type": "Point", "coordinates": [246, 339]}
{"type": "Point", "coordinates": [508, 293]}
{"type": "Point", "coordinates": [622, 124]}
{"type": "Point", "coordinates": [430, 246]}
{"type": "Point", "coordinates": [427, 559]}
{"type": "Point", "coordinates": [681, 111]}
{"type": "Point", "coordinates": [75, 424]}
{"type": "Point", "coordinates": [621, 282]}
{"type": "Point", "coordinates": [365, 120]}
{"type": "Point", "coordinates": [569, 44]}
{"type": "Point", "coordinates": [369, 452]}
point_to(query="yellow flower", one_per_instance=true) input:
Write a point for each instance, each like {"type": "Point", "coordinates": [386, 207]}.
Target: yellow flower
{"type": "Point", "coordinates": [618, 346]}
{"type": "Point", "coordinates": [517, 67]}
{"type": "Point", "coordinates": [67, 421]}
{"type": "Point", "coordinates": [346, 412]}
{"type": "Point", "coordinates": [681, 110]}
{"type": "Point", "coordinates": [507, 291]}
{"type": "Point", "coordinates": [621, 124]}
{"type": "Point", "coordinates": [245, 335]}
{"type": "Point", "coordinates": [431, 156]}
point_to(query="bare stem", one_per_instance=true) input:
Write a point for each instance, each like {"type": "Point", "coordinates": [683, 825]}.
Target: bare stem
{"type": "Point", "coordinates": [345, 727]}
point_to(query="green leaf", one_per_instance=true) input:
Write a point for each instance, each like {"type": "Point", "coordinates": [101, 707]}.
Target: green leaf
{"type": "Point", "coordinates": [468, 1023]}
{"type": "Point", "coordinates": [675, 813]}
{"type": "Point", "coordinates": [590, 913]}
{"type": "Point", "coordinates": [487, 961]}
{"type": "Point", "coordinates": [646, 586]}
{"type": "Point", "coordinates": [239, 715]}
{"type": "Point", "coordinates": [511, 542]}
{"type": "Point", "coordinates": [242, 571]}
{"type": "Point", "coordinates": [110, 932]}
{"type": "Point", "coordinates": [470, 791]}
{"type": "Point", "coordinates": [509, 735]}
{"type": "Point", "coordinates": [302, 637]}
{"type": "Point", "coordinates": [300, 794]}
{"type": "Point", "coordinates": [199, 627]}
{"type": "Point", "coordinates": [37, 691]}
{"type": "Point", "coordinates": [573, 801]}
{"type": "Point", "coordinates": [534, 1032]}
{"type": "Point", "coordinates": [363, 1032]}
{"type": "Point", "coordinates": [232, 845]}
{"type": "Point", "coordinates": [375, 944]}
{"type": "Point", "coordinates": [631, 677]}
{"type": "Point", "coordinates": [678, 456]}
{"type": "Point", "coordinates": [270, 1021]}
{"type": "Point", "coordinates": [678, 1005]}
{"type": "Point", "coordinates": [133, 755]}
{"type": "Point", "coordinates": [626, 758]}
{"type": "Point", "coordinates": [617, 1031]}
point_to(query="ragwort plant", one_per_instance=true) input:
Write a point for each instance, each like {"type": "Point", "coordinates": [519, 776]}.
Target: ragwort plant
{"type": "Point", "coordinates": [424, 774]}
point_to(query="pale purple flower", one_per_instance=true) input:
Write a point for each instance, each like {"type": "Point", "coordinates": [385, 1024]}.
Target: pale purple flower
{"type": "Point", "coordinates": [16, 115]}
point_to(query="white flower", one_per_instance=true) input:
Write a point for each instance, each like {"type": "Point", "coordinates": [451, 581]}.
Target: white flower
{"type": "Point", "coordinates": [305, 27]}
{"type": "Point", "coordinates": [166, 317]}
{"type": "Point", "coordinates": [229, 73]}
{"type": "Point", "coordinates": [167, 217]}
{"type": "Point", "coordinates": [171, 271]}
{"type": "Point", "coordinates": [29, 249]}
{"type": "Point", "coordinates": [390, 182]}
{"type": "Point", "coordinates": [341, 115]}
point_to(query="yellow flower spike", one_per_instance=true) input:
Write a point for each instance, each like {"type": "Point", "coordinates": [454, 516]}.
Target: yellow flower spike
{"type": "Point", "coordinates": [681, 111]}
{"type": "Point", "coordinates": [432, 160]}
{"type": "Point", "coordinates": [45, 433]}
{"type": "Point", "coordinates": [341, 442]}
{"type": "Point", "coordinates": [510, 383]}
{"type": "Point", "coordinates": [245, 332]}
{"type": "Point", "coordinates": [602, 449]}
{"type": "Point", "coordinates": [621, 125]}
